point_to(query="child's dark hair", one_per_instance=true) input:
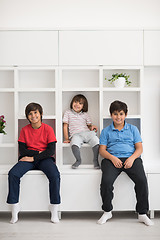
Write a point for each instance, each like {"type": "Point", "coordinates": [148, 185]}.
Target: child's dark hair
{"type": "Point", "coordinates": [33, 107]}
{"type": "Point", "coordinates": [80, 98]}
{"type": "Point", "coordinates": [118, 106]}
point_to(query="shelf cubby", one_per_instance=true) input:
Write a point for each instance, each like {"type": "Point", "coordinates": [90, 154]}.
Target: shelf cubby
{"type": "Point", "coordinates": [132, 99]}
{"type": "Point", "coordinates": [45, 99]}
{"type": "Point", "coordinates": [80, 78]}
{"type": "Point", "coordinates": [6, 79]}
{"type": "Point", "coordinates": [7, 109]}
{"type": "Point", "coordinates": [86, 155]}
{"type": "Point", "coordinates": [133, 73]}
{"type": "Point", "coordinates": [36, 78]}
{"type": "Point", "coordinates": [93, 103]}
{"type": "Point", "coordinates": [7, 155]}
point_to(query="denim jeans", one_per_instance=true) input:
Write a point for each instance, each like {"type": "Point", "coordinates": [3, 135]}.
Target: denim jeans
{"type": "Point", "coordinates": [47, 166]}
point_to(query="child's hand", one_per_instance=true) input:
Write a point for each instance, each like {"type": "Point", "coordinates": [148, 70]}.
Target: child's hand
{"type": "Point", "coordinates": [27, 159]}
{"type": "Point", "coordinates": [67, 141]}
{"type": "Point", "coordinates": [93, 127]}
{"type": "Point", "coordinates": [128, 163]}
{"type": "Point", "coordinates": [117, 162]}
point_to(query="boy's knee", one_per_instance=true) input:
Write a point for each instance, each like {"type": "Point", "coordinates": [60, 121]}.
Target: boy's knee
{"type": "Point", "coordinates": [54, 176]}
{"type": "Point", "coordinates": [12, 174]}
{"type": "Point", "coordinates": [142, 181]}
{"type": "Point", "coordinates": [107, 182]}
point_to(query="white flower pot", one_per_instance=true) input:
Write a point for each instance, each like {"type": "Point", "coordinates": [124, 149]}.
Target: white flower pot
{"type": "Point", "coordinates": [120, 82]}
{"type": "Point", "coordinates": [1, 137]}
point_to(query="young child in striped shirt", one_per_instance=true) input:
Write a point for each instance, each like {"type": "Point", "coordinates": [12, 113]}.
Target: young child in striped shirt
{"type": "Point", "coordinates": [78, 129]}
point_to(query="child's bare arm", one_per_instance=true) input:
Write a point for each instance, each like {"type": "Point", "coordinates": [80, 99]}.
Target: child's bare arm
{"type": "Point", "coordinates": [65, 133]}
{"type": "Point", "coordinates": [92, 127]}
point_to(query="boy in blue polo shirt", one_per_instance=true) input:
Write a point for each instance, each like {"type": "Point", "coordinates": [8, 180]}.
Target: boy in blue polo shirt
{"type": "Point", "coordinates": [121, 147]}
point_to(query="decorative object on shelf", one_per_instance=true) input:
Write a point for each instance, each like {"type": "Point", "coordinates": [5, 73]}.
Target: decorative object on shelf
{"type": "Point", "coordinates": [2, 126]}
{"type": "Point", "coordinates": [119, 80]}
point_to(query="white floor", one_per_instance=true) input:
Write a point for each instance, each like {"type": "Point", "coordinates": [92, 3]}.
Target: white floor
{"type": "Point", "coordinates": [78, 226]}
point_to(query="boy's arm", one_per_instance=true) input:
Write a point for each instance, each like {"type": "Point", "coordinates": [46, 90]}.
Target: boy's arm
{"type": "Point", "coordinates": [65, 133]}
{"type": "Point", "coordinates": [104, 153]}
{"type": "Point", "coordinates": [50, 150]}
{"type": "Point", "coordinates": [138, 151]}
{"type": "Point", "coordinates": [24, 151]}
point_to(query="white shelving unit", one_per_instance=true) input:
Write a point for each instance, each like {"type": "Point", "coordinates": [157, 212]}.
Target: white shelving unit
{"type": "Point", "coordinates": [54, 88]}
{"type": "Point", "coordinates": [74, 62]}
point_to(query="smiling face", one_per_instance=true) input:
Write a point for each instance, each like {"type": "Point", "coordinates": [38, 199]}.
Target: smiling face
{"type": "Point", "coordinates": [77, 106]}
{"type": "Point", "coordinates": [118, 118]}
{"type": "Point", "coordinates": [34, 118]}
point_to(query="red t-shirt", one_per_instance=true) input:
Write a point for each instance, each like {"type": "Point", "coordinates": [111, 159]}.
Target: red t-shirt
{"type": "Point", "coordinates": [37, 139]}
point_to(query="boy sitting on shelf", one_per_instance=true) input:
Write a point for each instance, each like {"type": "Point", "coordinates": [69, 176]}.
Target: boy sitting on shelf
{"type": "Point", "coordinates": [36, 146]}
{"type": "Point", "coordinates": [121, 147]}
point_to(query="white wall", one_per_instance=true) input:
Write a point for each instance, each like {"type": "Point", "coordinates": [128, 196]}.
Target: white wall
{"type": "Point", "coordinates": [151, 117]}
{"type": "Point", "coordinates": [80, 14]}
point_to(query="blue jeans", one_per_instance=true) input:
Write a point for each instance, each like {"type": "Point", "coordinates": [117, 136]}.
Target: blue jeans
{"type": "Point", "coordinates": [47, 166]}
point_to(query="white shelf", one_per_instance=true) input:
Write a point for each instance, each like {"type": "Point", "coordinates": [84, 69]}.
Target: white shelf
{"type": "Point", "coordinates": [82, 169]}
{"type": "Point", "coordinates": [7, 90]}
{"type": "Point", "coordinates": [125, 89]}
{"type": "Point", "coordinates": [44, 117]}
{"type": "Point", "coordinates": [123, 67]}
{"type": "Point", "coordinates": [7, 145]}
{"type": "Point", "coordinates": [68, 145]}
{"type": "Point", "coordinates": [36, 90]}
{"type": "Point", "coordinates": [80, 89]}
{"type": "Point", "coordinates": [128, 116]}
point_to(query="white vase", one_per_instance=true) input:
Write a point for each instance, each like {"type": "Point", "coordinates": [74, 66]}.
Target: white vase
{"type": "Point", "coordinates": [1, 137]}
{"type": "Point", "coordinates": [120, 82]}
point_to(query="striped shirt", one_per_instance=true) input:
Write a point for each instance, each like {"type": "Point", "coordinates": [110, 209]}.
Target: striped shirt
{"type": "Point", "coordinates": [77, 121]}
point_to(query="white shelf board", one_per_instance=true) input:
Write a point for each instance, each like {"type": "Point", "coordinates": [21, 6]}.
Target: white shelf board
{"type": "Point", "coordinates": [125, 89]}
{"type": "Point", "coordinates": [7, 145]}
{"type": "Point", "coordinates": [36, 90]}
{"type": "Point", "coordinates": [6, 89]}
{"type": "Point", "coordinates": [80, 89]}
{"type": "Point", "coordinates": [128, 116]}
{"type": "Point", "coordinates": [44, 117]}
{"type": "Point", "coordinates": [124, 67]}
{"type": "Point", "coordinates": [36, 68]}
{"type": "Point", "coordinates": [81, 170]}
{"type": "Point", "coordinates": [68, 145]}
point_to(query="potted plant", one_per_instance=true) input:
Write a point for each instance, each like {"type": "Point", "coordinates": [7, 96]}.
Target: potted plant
{"type": "Point", "coordinates": [119, 80]}
{"type": "Point", "coordinates": [2, 126]}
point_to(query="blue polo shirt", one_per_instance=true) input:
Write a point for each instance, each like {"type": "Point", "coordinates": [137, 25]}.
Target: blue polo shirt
{"type": "Point", "coordinates": [120, 143]}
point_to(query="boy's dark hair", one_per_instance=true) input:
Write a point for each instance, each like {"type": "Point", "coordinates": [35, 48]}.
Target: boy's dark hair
{"type": "Point", "coordinates": [118, 106]}
{"type": "Point", "coordinates": [33, 107]}
{"type": "Point", "coordinates": [80, 98]}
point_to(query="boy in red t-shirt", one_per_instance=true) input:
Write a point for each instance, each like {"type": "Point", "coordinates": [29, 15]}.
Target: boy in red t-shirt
{"type": "Point", "coordinates": [36, 147]}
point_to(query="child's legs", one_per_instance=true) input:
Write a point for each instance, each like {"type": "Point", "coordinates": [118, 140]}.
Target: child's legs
{"type": "Point", "coordinates": [14, 176]}
{"type": "Point", "coordinates": [92, 139]}
{"type": "Point", "coordinates": [109, 175]}
{"type": "Point", "coordinates": [51, 171]}
{"type": "Point", "coordinates": [95, 155]}
{"type": "Point", "coordinates": [76, 143]}
{"type": "Point", "coordinates": [137, 174]}
{"type": "Point", "coordinates": [77, 140]}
